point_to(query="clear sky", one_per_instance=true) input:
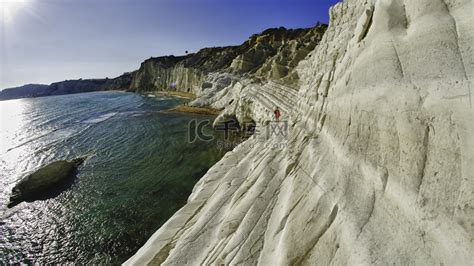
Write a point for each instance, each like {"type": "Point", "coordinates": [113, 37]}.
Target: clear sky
{"type": "Point", "coordinates": [43, 41]}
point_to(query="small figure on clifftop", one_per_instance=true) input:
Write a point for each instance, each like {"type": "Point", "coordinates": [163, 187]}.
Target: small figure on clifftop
{"type": "Point", "coordinates": [277, 114]}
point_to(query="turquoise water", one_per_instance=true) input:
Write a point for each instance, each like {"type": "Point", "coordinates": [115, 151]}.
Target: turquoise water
{"type": "Point", "coordinates": [140, 171]}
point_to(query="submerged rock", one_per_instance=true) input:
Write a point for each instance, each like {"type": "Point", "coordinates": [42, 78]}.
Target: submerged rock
{"type": "Point", "coordinates": [44, 182]}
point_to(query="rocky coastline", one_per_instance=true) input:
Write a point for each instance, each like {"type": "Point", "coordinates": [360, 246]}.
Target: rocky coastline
{"type": "Point", "coordinates": [372, 160]}
{"type": "Point", "coordinates": [375, 164]}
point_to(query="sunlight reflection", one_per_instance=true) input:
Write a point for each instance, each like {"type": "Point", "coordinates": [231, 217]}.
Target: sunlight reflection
{"type": "Point", "coordinates": [12, 123]}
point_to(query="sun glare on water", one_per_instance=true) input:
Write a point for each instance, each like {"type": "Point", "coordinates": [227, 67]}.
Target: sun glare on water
{"type": "Point", "coordinates": [9, 9]}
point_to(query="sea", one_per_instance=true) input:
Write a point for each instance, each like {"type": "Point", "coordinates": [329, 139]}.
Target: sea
{"type": "Point", "coordinates": [142, 163]}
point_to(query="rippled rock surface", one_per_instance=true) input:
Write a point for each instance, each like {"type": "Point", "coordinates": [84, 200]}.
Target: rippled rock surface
{"type": "Point", "coordinates": [376, 167]}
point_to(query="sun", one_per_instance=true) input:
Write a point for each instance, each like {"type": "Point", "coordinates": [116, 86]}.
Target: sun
{"type": "Point", "coordinates": [10, 8]}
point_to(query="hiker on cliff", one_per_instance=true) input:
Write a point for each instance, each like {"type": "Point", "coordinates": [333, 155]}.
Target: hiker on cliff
{"type": "Point", "coordinates": [277, 114]}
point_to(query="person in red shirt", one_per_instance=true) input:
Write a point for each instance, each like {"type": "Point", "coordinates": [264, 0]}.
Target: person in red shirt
{"type": "Point", "coordinates": [277, 114]}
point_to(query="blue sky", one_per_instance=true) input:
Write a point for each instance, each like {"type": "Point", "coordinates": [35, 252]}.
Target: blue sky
{"type": "Point", "coordinates": [52, 40]}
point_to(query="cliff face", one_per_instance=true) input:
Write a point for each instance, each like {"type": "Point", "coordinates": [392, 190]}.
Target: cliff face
{"type": "Point", "coordinates": [376, 166]}
{"type": "Point", "coordinates": [269, 55]}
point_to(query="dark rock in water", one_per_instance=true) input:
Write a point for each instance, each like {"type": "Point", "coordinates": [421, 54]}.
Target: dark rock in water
{"type": "Point", "coordinates": [46, 182]}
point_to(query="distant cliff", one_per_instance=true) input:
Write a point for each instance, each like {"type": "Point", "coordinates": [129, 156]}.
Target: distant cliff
{"type": "Point", "coordinates": [67, 87]}
{"type": "Point", "coordinates": [29, 90]}
{"type": "Point", "coordinates": [271, 54]}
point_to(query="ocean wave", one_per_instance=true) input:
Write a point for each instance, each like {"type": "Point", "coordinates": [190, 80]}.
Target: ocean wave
{"type": "Point", "coordinates": [100, 118]}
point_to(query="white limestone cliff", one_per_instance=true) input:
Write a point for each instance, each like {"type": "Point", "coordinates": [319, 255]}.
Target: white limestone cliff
{"type": "Point", "coordinates": [377, 166]}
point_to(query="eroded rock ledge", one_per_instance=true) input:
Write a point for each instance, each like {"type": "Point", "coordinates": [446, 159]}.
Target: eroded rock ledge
{"type": "Point", "coordinates": [272, 54]}
{"type": "Point", "coordinates": [377, 166]}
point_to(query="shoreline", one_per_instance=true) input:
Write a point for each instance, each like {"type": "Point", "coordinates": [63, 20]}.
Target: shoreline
{"type": "Point", "coordinates": [194, 110]}
{"type": "Point", "coordinates": [180, 94]}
